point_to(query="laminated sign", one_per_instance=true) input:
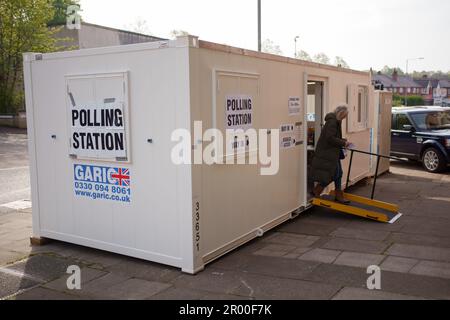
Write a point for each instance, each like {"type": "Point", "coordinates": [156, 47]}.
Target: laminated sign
{"type": "Point", "coordinates": [98, 130]}
{"type": "Point", "coordinates": [290, 135]}
{"type": "Point", "coordinates": [238, 112]}
{"type": "Point", "coordinates": [96, 117]}
{"type": "Point", "coordinates": [294, 106]}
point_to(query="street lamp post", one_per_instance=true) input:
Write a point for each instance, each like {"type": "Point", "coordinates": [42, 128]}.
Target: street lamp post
{"type": "Point", "coordinates": [295, 50]}
{"type": "Point", "coordinates": [406, 89]}
{"type": "Point", "coordinates": [259, 25]}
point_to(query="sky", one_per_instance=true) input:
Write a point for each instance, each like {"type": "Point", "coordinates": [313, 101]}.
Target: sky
{"type": "Point", "coordinates": [366, 33]}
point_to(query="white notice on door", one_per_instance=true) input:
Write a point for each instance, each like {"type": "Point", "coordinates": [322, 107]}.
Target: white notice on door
{"type": "Point", "coordinates": [294, 106]}
{"type": "Point", "coordinates": [287, 139]}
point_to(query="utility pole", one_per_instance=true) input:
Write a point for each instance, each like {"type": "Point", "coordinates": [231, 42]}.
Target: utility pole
{"type": "Point", "coordinates": [406, 89]}
{"type": "Point", "coordinates": [259, 25]}
{"type": "Point", "coordinates": [295, 50]}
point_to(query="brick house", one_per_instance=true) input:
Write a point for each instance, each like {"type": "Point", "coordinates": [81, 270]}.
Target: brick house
{"type": "Point", "coordinates": [435, 91]}
{"type": "Point", "coordinates": [401, 85]}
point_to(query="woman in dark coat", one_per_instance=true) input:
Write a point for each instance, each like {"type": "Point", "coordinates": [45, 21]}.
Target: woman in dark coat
{"type": "Point", "coordinates": [326, 164]}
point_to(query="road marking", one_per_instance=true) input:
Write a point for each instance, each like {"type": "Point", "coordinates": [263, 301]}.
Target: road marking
{"type": "Point", "coordinates": [14, 168]}
{"type": "Point", "coordinates": [18, 205]}
{"type": "Point", "coordinates": [20, 274]}
{"type": "Point", "coordinates": [14, 153]}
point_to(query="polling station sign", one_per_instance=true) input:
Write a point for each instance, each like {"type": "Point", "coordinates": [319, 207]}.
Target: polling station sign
{"type": "Point", "coordinates": [238, 112]}
{"type": "Point", "coordinates": [102, 183]}
{"type": "Point", "coordinates": [98, 131]}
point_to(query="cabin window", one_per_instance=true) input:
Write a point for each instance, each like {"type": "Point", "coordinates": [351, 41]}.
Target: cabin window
{"type": "Point", "coordinates": [361, 107]}
{"type": "Point", "coordinates": [358, 102]}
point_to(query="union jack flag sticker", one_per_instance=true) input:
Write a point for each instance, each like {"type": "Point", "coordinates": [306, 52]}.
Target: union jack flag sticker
{"type": "Point", "coordinates": [122, 176]}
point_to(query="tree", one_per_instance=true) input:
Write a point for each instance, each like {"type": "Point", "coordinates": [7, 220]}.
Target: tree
{"type": "Point", "coordinates": [140, 25]}
{"type": "Point", "coordinates": [321, 58]}
{"type": "Point", "coordinates": [23, 28]}
{"type": "Point", "coordinates": [389, 71]}
{"type": "Point", "coordinates": [178, 33]}
{"type": "Point", "coordinates": [268, 46]}
{"type": "Point", "coordinates": [60, 9]}
{"type": "Point", "coordinates": [303, 55]}
{"type": "Point", "coordinates": [340, 62]}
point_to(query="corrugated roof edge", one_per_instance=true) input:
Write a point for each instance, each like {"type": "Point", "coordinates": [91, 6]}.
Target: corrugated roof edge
{"type": "Point", "coordinates": [152, 45]}
{"type": "Point", "coordinates": [125, 31]}
{"type": "Point", "coordinates": [112, 29]}
{"type": "Point", "coordinates": [250, 53]}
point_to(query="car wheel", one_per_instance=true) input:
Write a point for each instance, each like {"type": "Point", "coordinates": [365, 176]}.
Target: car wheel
{"type": "Point", "coordinates": [433, 160]}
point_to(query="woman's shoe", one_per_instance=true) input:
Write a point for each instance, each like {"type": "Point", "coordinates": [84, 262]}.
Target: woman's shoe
{"type": "Point", "coordinates": [317, 191]}
{"type": "Point", "coordinates": [339, 197]}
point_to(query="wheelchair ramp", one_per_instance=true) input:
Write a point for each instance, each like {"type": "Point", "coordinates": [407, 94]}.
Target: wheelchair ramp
{"type": "Point", "coordinates": [362, 207]}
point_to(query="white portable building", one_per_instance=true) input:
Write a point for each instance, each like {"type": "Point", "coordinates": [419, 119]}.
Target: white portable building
{"type": "Point", "coordinates": [101, 126]}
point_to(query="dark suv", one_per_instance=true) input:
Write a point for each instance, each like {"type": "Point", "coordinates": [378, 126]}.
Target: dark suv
{"type": "Point", "coordinates": [422, 133]}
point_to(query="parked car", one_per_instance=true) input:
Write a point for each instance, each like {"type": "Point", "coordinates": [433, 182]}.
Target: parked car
{"type": "Point", "coordinates": [423, 134]}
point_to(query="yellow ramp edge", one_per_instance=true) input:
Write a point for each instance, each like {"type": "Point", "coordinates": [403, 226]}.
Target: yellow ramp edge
{"type": "Point", "coordinates": [373, 203]}
{"type": "Point", "coordinates": [372, 215]}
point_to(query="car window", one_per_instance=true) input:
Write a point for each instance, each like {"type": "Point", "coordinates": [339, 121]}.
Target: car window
{"type": "Point", "coordinates": [433, 120]}
{"type": "Point", "coordinates": [394, 121]}
{"type": "Point", "coordinates": [402, 119]}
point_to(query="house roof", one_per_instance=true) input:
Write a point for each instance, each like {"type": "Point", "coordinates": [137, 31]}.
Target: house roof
{"type": "Point", "coordinates": [402, 81]}
{"type": "Point", "coordinates": [443, 83]}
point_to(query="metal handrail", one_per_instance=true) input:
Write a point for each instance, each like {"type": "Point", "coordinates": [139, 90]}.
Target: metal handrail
{"type": "Point", "coordinates": [379, 156]}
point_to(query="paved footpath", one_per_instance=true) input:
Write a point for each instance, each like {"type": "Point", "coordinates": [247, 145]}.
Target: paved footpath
{"type": "Point", "coordinates": [319, 255]}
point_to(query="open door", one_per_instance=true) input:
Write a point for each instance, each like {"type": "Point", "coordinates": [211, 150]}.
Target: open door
{"type": "Point", "coordinates": [314, 115]}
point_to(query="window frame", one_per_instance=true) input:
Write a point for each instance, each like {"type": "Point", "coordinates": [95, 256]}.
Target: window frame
{"type": "Point", "coordinates": [362, 108]}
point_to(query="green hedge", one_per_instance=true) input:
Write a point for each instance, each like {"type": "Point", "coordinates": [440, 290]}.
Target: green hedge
{"type": "Point", "coordinates": [412, 100]}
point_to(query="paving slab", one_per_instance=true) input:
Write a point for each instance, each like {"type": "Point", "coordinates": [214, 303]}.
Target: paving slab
{"type": "Point", "coordinates": [398, 264]}
{"type": "Point", "coordinates": [326, 217]}
{"type": "Point", "coordinates": [302, 226]}
{"type": "Point", "coordinates": [11, 283]}
{"type": "Point", "coordinates": [210, 280]}
{"type": "Point", "coordinates": [356, 259]}
{"type": "Point", "coordinates": [365, 246]}
{"type": "Point", "coordinates": [44, 294]}
{"type": "Point", "coordinates": [415, 285]}
{"type": "Point", "coordinates": [225, 297]}
{"type": "Point", "coordinates": [352, 233]}
{"type": "Point", "coordinates": [234, 260]}
{"type": "Point", "coordinates": [278, 247]}
{"type": "Point", "coordinates": [97, 288]}
{"type": "Point", "coordinates": [145, 270]}
{"type": "Point", "coordinates": [98, 258]}
{"type": "Point", "coordinates": [43, 267]}
{"type": "Point", "coordinates": [348, 293]}
{"type": "Point", "coordinates": [432, 269]}
{"type": "Point", "coordinates": [339, 275]}
{"type": "Point", "coordinates": [279, 267]}
{"type": "Point", "coordinates": [417, 239]}
{"type": "Point", "coordinates": [87, 274]}
{"type": "Point", "coordinates": [8, 257]}
{"type": "Point", "coordinates": [297, 240]}
{"type": "Point", "coordinates": [176, 293]}
{"type": "Point", "coordinates": [270, 253]}
{"type": "Point", "coordinates": [436, 227]}
{"type": "Point", "coordinates": [134, 289]}
{"type": "Point", "coordinates": [262, 288]}
{"type": "Point", "coordinates": [420, 252]}
{"type": "Point", "coordinates": [320, 255]}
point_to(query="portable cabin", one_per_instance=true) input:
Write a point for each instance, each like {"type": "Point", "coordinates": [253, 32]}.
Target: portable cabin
{"type": "Point", "coordinates": [105, 126]}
